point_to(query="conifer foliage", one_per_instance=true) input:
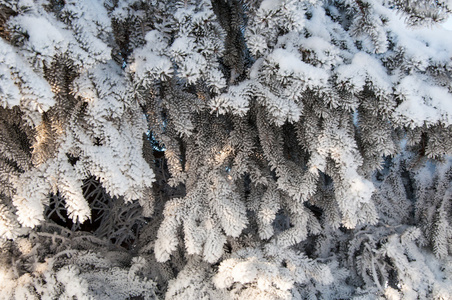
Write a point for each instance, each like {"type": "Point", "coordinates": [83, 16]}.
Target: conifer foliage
{"type": "Point", "coordinates": [225, 149]}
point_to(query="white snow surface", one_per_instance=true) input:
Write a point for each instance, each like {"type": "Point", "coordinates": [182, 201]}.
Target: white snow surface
{"type": "Point", "coordinates": [290, 64]}
{"type": "Point", "coordinates": [365, 68]}
{"type": "Point", "coordinates": [270, 4]}
{"type": "Point", "coordinates": [43, 36]}
{"type": "Point", "coordinates": [424, 102]}
{"type": "Point", "coordinates": [37, 94]}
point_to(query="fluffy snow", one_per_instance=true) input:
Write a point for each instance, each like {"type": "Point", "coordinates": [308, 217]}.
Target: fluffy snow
{"type": "Point", "coordinates": [254, 70]}
{"type": "Point", "coordinates": [182, 44]}
{"type": "Point", "coordinates": [43, 36]}
{"type": "Point", "coordinates": [424, 102]}
{"type": "Point", "coordinates": [360, 188]}
{"type": "Point", "coordinates": [235, 100]}
{"type": "Point", "coordinates": [448, 24]}
{"type": "Point", "coordinates": [290, 64]}
{"type": "Point", "coordinates": [270, 4]}
{"type": "Point", "coordinates": [364, 68]}
{"type": "Point", "coordinates": [96, 12]}
{"type": "Point", "coordinates": [156, 41]}
{"type": "Point", "coordinates": [9, 92]}
{"type": "Point", "coordinates": [148, 63]}
{"type": "Point", "coordinates": [36, 92]}
{"type": "Point", "coordinates": [325, 52]}
{"type": "Point", "coordinates": [421, 43]}
{"type": "Point", "coordinates": [316, 25]}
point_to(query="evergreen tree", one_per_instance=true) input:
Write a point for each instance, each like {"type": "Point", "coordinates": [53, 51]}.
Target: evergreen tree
{"type": "Point", "coordinates": [225, 149]}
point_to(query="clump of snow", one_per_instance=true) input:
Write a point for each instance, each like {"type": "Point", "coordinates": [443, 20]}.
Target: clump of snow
{"type": "Point", "coordinates": [156, 41]}
{"type": "Point", "coordinates": [254, 70]}
{"type": "Point", "coordinates": [280, 109]}
{"type": "Point", "coordinates": [419, 43]}
{"type": "Point", "coordinates": [290, 64]}
{"type": "Point", "coordinates": [316, 24]}
{"type": "Point", "coordinates": [182, 44]}
{"type": "Point", "coordinates": [326, 53]}
{"type": "Point", "coordinates": [423, 102]}
{"type": "Point", "coordinates": [44, 37]}
{"type": "Point", "coordinates": [360, 187]}
{"type": "Point", "coordinates": [235, 100]}
{"type": "Point", "coordinates": [270, 4]}
{"type": "Point", "coordinates": [9, 92]}
{"type": "Point", "coordinates": [35, 92]}
{"type": "Point", "coordinates": [364, 69]}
